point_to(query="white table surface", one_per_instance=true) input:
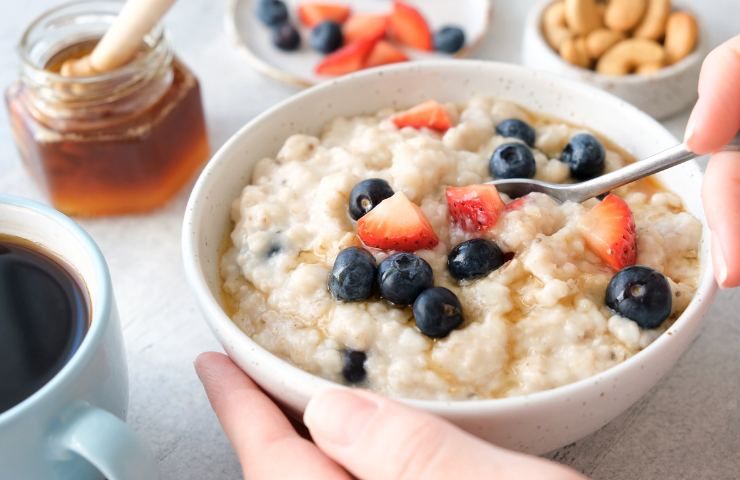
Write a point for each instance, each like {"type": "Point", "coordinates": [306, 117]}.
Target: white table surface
{"type": "Point", "coordinates": [687, 427]}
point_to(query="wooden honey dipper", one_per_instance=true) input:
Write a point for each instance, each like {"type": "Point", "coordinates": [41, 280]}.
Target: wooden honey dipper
{"type": "Point", "coordinates": [122, 40]}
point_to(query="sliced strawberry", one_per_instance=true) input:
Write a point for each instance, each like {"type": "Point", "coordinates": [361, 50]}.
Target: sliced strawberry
{"type": "Point", "coordinates": [609, 231]}
{"type": "Point", "coordinates": [313, 13]}
{"type": "Point", "coordinates": [364, 26]}
{"type": "Point", "coordinates": [384, 53]}
{"type": "Point", "coordinates": [408, 26]}
{"type": "Point", "coordinates": [429, 114]}
{"type": "Point", "coordinates": [517, 203]}
{"type": "Point", "coordinates": [396, 224]}
{"type": "Point", "coordinates": [474, 207]}
{"type": "Point", "coordinates": [347, 59]}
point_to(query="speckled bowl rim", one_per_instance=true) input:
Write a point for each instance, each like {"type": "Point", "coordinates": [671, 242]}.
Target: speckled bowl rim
{"type": "Point", "coordinates": [305, 382]}
{"type": "Point", "coordinates": [271, 71]}
{"type": "Point", "coordinates": [534, 23]}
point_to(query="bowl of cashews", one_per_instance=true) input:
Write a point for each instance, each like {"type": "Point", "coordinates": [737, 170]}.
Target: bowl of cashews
{"type": "Point", "coordinates": [648, 52]}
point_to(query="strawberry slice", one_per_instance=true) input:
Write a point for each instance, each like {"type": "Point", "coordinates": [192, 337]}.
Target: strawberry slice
{"type": "Point", "coordinates": [409, 27]}
{"type": "Point", "coordinates": [384, 53]}
{"type": "Point", "coordinates": [364, 26]}
{"type": "Point", "coordinates": [516, 204]}
{"type": "Point", "coordinates": [396, 224]}
{"type": "Point", "coordinates": [347, 59]}
{"type": "Point", "coordinates": [609, 231]}
{"type": "Point", "coordinates": [429, 114]}
{"type": "Point", "coordinates": [313, 13]}
{"type": "Point", "coordinates": [474, 207]}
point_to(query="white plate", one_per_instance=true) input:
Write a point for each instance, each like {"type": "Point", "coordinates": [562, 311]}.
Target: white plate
{"type": "Point", "coordinates": [297, 68]}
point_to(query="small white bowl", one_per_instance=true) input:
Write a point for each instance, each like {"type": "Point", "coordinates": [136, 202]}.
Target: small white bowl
{"type": "Point", "coordinates": [661, 94]}
{"type": "Point", "coordinates": [535, 423]}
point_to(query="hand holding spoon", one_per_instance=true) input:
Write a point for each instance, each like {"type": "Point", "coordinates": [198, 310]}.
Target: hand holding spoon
{"type": "Point", "coordinates": [580, 192]}
{"type": "Point", "coordinates": [122, 40]}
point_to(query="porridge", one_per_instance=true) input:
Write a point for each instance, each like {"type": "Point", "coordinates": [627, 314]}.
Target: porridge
{"type": "Point", "coordinates": [375, 255]}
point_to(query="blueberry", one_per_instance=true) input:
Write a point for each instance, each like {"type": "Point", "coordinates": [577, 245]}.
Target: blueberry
{"type": "Point", "coordinates": [286, 37]}
{"type": "Point", "coordinates": [512, 160]}
{"type": "Point", "coordinates": [402, 277]}
{"type": "Point", "coordinates": [474, 258]}
{"type": "Point", "coordinates": [352, 275]}
{"type": "Point", "coordinates": [273, 250]}
{"type": "Point", "coordinates": [585, 156]}
{"type": "Point", "coordinates": [640, 294]}
{"type": "Point", "coordinates": [449, 39]}
{"type": "Point", "coordinates": [326, 37]}
{"type": "Point", "coordinates": [513, 127]}
{"type": "Point", "coordinates": [353, 365]}
{"type": "Point", "coordinates": [366, 195]}
{"type": "Point", "coordinates": [272, 12]}
{"type": "Point", "coordinates": [437, 312]}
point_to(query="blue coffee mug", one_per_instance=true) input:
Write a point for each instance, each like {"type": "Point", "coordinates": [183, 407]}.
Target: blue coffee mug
{"type": "Point", "coordinates": [73, 427]}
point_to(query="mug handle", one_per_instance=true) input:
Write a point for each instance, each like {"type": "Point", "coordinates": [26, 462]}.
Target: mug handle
{"type": "Point", "coordinates": [108, 444]}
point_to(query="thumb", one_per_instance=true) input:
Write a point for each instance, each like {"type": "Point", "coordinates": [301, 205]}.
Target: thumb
{"type": "Point", "coordinates": [716, 115]}
{"type": "Point", "coordinates": [377, 438]}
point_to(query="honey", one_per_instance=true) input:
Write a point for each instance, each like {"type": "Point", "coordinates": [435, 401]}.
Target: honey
{"type": "Point", "coordinates": [119, 142]}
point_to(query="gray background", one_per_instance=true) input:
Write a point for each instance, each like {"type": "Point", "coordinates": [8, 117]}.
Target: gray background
{"type": "Point", "coordinates": [687, 427]}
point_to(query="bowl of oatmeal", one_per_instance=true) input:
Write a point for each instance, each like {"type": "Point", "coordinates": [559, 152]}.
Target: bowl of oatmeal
{"type": "Point", "coordinates": [351, 239]}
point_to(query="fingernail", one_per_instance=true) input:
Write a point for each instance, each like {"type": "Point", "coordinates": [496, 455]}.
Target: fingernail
{"type": "Point", "coordinates": [198, 361]}
{"type": "Point", "coordinates": [338, 416]}
{"type": "Point", "coordinates": [690, 127]}
{"type": "Point", "coordinates": [718, 259]}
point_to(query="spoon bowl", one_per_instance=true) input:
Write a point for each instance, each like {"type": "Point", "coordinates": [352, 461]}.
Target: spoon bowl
{"type": "Point", "coordinates": [580, 192]}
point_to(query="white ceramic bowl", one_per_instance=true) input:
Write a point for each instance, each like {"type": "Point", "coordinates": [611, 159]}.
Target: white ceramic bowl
{"type": "Point", "coordinates": [534, 423]}
{"type": "Point", "coordinates": [661, 94]}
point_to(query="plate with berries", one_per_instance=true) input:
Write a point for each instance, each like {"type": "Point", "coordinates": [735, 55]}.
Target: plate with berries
{"type": "Point", "coordinates": [304, 42]}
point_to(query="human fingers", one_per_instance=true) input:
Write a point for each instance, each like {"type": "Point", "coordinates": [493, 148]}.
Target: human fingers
{"type": "Point", "coordinates": [721, 197]}
{"type": "Point", "coordinates": [377, 438]}
{"type": "Point", "coordinates": [716, 115]}
{"type": "Point", "coordinates": [267, 445]}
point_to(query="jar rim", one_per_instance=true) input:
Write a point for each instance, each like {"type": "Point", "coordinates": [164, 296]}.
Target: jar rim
{"type": "Point", "coordinates": [157, 36]}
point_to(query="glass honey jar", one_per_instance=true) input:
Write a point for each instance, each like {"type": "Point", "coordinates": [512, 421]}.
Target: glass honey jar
{"type": "Point", "coordinates": [112, 143]}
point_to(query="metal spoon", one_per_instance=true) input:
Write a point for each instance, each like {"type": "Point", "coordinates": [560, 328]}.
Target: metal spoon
{"type": "Point", "coordinates": [580, 192]}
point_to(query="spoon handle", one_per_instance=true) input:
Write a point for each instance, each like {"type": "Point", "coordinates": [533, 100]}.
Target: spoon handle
{"type": "Point", "coordinates": [654, 164]}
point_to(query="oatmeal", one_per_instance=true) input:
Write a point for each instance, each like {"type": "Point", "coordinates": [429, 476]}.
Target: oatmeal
{"type": "Point", "coordinates": [491, 297]}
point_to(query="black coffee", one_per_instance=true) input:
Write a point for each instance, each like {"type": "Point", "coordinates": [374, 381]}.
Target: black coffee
{"type": "Point", "coordinates": [43, 319]}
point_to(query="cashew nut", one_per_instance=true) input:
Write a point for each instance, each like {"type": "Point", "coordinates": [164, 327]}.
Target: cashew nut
{"type": "Point", "coordinates": [574, 51]}
{"type": "Point", "coordinates": [681, 35]}
{"type": "Point", "coordinates": [648, 68]}
{"type": "Point", "coordinates": [582, 16]}
{"type": "Point", "coordinates": [601, 40]}
{"type": "Point", "coordinates": [601, 9]}
{"type": "Point", "coordinates": [628, 55]}
{"type": "Point", "coordinates": [619, 36]}
{"type": "Point", "coordinates": [652, 26]}
{"type": "Point", "coordinates": [553, 25]}
{"type": "Point", "coordinates": [623, 15]}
